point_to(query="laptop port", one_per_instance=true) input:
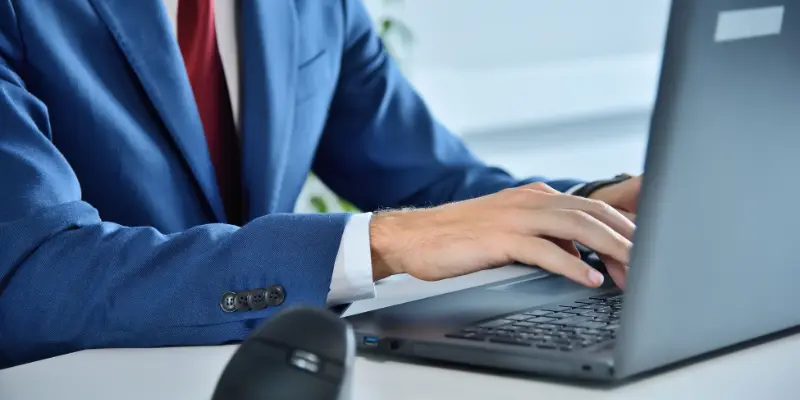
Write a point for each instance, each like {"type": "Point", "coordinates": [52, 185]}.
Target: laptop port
{"type": "Point", "coordinates": [370, 341]}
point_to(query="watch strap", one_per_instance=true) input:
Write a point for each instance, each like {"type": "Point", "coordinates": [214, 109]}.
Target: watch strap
{"type": "Point", "coordinates": [594, 186]}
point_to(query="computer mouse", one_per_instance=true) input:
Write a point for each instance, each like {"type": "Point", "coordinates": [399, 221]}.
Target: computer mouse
{"type": "Point", "coordinates": [299, 353]}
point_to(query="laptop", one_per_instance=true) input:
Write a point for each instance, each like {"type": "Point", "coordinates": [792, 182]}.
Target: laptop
{"type": "Point", "coordinates": [713, 263]}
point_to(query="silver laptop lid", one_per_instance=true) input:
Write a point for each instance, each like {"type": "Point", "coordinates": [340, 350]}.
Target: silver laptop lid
{"type": "Point", "coordinates": [714, 260]}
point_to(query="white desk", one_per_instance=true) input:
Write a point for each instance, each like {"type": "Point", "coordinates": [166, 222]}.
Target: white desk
{"type": "Point", "coordinates": [766, 372]}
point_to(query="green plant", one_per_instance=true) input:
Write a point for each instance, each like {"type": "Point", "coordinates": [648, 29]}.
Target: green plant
{"type": "Point", "coordinates": [397, 38]}
{"type": "Point", "coordinates": [395, 33]}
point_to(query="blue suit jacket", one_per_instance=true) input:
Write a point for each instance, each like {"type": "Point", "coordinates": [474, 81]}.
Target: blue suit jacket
{"type": "Point", "coordinates": [112, 232]}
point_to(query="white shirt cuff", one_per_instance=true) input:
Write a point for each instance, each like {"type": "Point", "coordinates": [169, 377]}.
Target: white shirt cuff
{"type": "Point", "coordinates": [575, 188]}
{"type": "Point", "coordinates": [352, 271]}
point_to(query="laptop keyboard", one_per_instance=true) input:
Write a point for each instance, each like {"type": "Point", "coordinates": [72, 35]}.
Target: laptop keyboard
{"type": "Point", "coordinates": [563, 326]}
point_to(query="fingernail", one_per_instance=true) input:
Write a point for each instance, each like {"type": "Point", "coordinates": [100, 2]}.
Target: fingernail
{"type": "Point", "coordinates": [595, 277]}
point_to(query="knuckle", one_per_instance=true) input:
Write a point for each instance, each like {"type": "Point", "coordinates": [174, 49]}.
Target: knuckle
{"type": "Point", "coordinates": [526, 195]}
{"type": "Point", "coordinates": [541, 186]}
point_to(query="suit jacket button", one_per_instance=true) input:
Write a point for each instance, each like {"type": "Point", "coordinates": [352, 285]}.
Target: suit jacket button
{"type": "Point", "coordinates": [257, 299]}
{"type": "Point", "coordinates": [241, 301]}
{"type": "Point", "coordinates": [275, 295]}
{"type": "Point", "coordinates": [228, 302]}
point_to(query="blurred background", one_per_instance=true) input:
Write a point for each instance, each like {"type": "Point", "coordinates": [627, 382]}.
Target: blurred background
{"type": "Point", "coordinates": [562, 88]}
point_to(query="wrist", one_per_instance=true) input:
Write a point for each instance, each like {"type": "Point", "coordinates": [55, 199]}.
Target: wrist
{"type": "Point", "coordinates": [382, 239]}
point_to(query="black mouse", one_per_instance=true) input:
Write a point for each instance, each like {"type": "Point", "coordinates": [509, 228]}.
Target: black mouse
{"type": "Point", "coordinates": [299, 353]}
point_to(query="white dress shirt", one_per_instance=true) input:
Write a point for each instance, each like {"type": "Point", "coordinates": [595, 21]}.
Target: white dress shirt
{"type": "Point", "coordinates": [352, 270]}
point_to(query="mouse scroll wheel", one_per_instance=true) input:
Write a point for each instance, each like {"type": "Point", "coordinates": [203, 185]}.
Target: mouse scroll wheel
{"type": "Point", "coordinates": [306, 361]}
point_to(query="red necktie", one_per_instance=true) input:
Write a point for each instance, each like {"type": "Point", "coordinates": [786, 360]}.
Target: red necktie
{"type": "Point", "coordinates": [197, 38]}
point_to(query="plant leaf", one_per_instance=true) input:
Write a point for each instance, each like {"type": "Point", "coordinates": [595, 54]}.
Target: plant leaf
{"type": "Point", "coordinates": [319, 204]}
{"type": "Point", "coordinates": [348, 206]}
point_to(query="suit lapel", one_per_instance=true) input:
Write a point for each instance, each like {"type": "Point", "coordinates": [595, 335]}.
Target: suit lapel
{"type": "Point", "coordinates": [268, 41]}
{"type": "Point", "coordinates": [142, 31]}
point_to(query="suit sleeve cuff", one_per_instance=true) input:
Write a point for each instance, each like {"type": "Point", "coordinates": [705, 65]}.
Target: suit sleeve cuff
{"type": "Point", "coordinates": [352, 272]}
{"type": "Point", "coordinates": [575, 188]}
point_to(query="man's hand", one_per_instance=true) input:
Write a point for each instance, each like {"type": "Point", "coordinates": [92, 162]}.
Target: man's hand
{"type": "Point", "coordinates": [623, 196]}
{"type": "Point", "coordinates": [533, 224]}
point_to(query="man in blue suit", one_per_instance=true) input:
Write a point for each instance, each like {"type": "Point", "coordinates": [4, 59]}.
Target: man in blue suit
{"type": "Point", "coordinates": [152, 151]}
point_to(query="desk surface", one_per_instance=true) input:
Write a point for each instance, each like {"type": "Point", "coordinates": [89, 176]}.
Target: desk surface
{"type": "Point", "coordinates": [767, 371]}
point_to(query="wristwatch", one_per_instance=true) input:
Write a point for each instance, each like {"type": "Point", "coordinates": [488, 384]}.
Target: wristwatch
{"type": "Point", "coordinates": [591, 187]}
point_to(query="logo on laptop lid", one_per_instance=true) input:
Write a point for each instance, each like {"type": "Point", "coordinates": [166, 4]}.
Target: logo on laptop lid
{"type": "Point", "coordinates": [749, 23]}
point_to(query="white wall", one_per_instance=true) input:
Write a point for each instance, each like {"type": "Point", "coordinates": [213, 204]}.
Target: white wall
{"type": "Point", "coordinates": [488, 64]}
{"type": "Point", "coordinates": [588, 150]}
{"type": "Point", "coordinates": [560, 88]}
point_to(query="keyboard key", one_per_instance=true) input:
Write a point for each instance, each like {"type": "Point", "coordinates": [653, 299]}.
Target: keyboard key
{"type": "Point", "coordinates": [593, 324]}
{"type": "Point", "coordinates": [574, 321]}
{"type": "Point", "coordinates": [560, 315]}
{"type": "Point", "coordinates": [495, 323]}
{"type": "Point", "coordinates": [590, 301]}
{"type": "Point", "coordinates": [546, 346]}
{"type": "Point", "coordinates": [538, 313]}
{"type": "Point", "coordinates": [589, 336]}
{"type": "Point", "coordinates": [556, 308]}
{"type": "Point", "coordinates": [545, 327]}
{"type": "Point", "coordinates": [560, 342]}
{"type": "Point", "coordinates": [605, 310]}
{"type": "Point", "coordinates": [612, 326]}
{"type": "Point", "coordinates": [574, 311]}
{"type": "Point", "coordinates": [525, 324]}
{"type": "Point", "coordinates": [542, 319]}
{"type": "Point", "coordinates": [518, 317]}
{"type": "Point", "coordinates": [572, 305]}
{"type": "Point", "coordinates": [602, 319]}
{"type": "Point", "coordinates": [595, 314]}
{"type": "Point", "coordinates": [513, 341]}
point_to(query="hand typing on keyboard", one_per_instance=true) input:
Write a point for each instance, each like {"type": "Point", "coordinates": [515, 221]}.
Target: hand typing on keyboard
{"type": "Point", "coordinates": [533, 224]}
